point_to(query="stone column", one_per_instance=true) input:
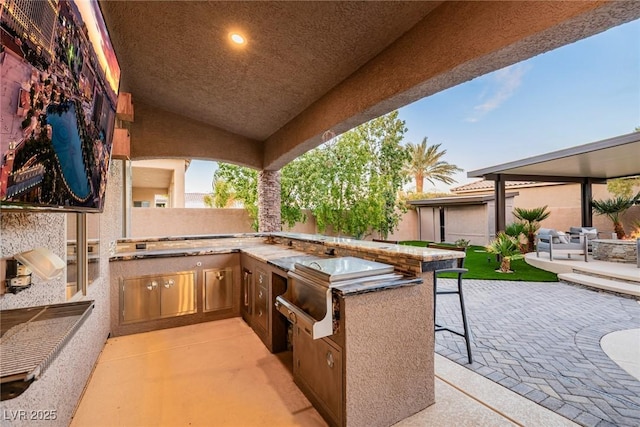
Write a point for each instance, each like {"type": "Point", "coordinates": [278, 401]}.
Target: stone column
{"type": "Point", "coordinates": [269, 218]}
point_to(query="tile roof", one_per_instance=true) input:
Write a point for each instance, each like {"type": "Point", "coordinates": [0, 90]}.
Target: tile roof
{"type": "Point", "coordinates": [194, 199]}
{"type": "Point", "coordinates": [483, 184]}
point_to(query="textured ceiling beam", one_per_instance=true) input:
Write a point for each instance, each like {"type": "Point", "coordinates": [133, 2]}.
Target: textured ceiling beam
{"type": "Point", "coordinates": [455, 43]}
{"type": "Point", "coordinates": [157, 134]}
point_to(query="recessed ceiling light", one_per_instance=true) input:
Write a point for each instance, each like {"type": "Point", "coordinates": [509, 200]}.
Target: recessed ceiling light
{"type": "Point", "coordinates": [237, 38]}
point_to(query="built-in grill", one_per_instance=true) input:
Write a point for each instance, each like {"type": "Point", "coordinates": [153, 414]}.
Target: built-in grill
{"type": "Point", "coordinates": [308, 301]}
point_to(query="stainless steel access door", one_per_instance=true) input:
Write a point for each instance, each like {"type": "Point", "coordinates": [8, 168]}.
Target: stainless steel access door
{"type": "Point", "coordinates": [140, 299]}
{"type": "Point", "coordinates": [218, 289]}
{"type": "Point", "coordinates": [154, 297]}
{"type": "Point", "coordinates": [178, 294]}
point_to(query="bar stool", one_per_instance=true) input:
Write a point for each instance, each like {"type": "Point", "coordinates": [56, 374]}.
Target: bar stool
{"type": "Point", "coordinates": [460, 270]}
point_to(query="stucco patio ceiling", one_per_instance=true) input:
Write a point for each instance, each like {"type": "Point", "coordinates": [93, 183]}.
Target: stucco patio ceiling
{"type": "Point", "coordinates": [312, 67]}
{"type": "Point", "coordinates": [598, 161]}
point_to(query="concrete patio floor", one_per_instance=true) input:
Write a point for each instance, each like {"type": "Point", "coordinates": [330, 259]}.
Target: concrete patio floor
{"type": "Point", "coordinates": [220, 374]}
{"type": "Point", "coordinates": [622, 278]}
{"type": "Point", "coordinates": [542, 341]}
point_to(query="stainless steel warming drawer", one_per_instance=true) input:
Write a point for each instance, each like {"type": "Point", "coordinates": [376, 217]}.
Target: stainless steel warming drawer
{"type": "Point", "coordinates": [157, 296]}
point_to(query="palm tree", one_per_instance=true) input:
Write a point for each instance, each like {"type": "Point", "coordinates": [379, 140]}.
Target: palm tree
{"type": "Point", "coordinates": [518, 230]}
{"type": "Point", "coordinates": [532, 219]}
{"type": "Point", "coordinates": [507, 247]}
{"type": "Point", "coordinates": [613, 208]}
{"type": "Point", "coordinates": [425, 163]}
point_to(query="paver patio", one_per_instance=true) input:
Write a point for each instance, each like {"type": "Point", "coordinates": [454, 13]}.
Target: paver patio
{"type": "Point", "coordinates": [542, 340]}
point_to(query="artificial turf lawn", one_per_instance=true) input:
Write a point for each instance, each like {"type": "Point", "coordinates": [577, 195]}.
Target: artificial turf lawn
{"type": "Point", "coordinates": [482, 265]}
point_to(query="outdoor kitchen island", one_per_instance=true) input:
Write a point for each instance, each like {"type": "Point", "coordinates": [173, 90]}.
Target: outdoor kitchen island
{"type": "Point", "coordinates": [376, 367]}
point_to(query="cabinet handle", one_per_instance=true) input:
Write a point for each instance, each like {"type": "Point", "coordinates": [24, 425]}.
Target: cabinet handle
{"type": "Point", "coordinates": [261, 278]}
{"type": "Point", "coordinates": [246, 289]}
{"type": "Point", "coordinates": [330, 359]}
{"type": "Point", "coordinates": [169, 283]}
{"type": "Point", "coordinates": [152, 285]}
{"type": "Point", "coordinates": [260, 294]}
{"type": "Point", "coordinates": [260, 313]}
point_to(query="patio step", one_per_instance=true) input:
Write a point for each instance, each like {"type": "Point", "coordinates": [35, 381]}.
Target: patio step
{"type": "Point", "coordinates": [618, 286]}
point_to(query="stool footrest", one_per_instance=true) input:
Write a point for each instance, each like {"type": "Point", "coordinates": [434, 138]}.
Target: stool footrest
{"type": "Point", "coordinates": [444, 328]}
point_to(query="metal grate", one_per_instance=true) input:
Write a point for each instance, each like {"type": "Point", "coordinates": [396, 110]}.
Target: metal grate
{"type": "Point", "coordinates": [27, 349]}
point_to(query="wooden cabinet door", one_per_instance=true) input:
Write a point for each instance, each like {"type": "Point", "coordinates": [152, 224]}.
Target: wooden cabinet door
{"type": "Point", "coordinates": [317, 364]}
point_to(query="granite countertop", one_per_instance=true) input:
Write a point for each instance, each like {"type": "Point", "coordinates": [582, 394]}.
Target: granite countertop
{"type": "Point", "coordinates": [412, 252]}
{"type": "Point", "coordinates": [161, 247]}
{"type": "Point", "coordinates": [174, 252]}
{"type": "Point", "coordinates": [226, 243]}
{"type": "Point", "coordinates": [281, 256]}
{"type": "Point", "coordinates": [376, 285]}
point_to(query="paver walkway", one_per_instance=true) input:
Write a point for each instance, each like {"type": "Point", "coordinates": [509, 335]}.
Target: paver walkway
{"type": "Point", "coordinates": [542, 340]}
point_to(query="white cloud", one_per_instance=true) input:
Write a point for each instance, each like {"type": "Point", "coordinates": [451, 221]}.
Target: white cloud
{"type": "Point", "coordinates": [505, 83]}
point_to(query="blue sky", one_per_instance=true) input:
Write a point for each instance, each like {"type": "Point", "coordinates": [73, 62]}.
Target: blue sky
{"type": "Point", "coordinates": [576, 94]}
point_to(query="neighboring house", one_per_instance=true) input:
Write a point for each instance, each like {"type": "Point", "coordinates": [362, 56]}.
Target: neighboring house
{"type": "Point", "coordinates": [158, 183]}
{"type": "Point", "coordinates": [469, 217]}
{"type": "Point", "coordinates": [194, 200]}
{"type": "Point", "coordinates": [470, 213]}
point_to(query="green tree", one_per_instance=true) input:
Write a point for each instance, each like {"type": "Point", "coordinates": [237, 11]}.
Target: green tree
{"type": "Point", "coordinates": [242, 182]}
{"type": "Point", "coordinates": [223, 194]}
{"type": "Point", "coordinates": [613, 209]}
{"type": "Point", "coordinates": [518, 230]}
{"type": "Point", "coordinates": [531, 219]}
{"type": "Point", "coordinates": [623, 187]}
{"type": "Point", "coordinates": [351, 184]}
{"type": "Point", "coordinates": [233, 182]}
{"type": "Point", "coordinates": [208, 200]}
{"type": "Point", "coordinates": [425, 163]}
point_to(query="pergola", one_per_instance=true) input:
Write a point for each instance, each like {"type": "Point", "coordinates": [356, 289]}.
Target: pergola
{"type": "Point", "coordinates": [587, 164]}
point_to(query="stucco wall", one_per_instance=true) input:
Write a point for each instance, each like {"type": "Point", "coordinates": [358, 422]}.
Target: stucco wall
{"type": "Point", "coordinates": [174, 189]}
{"type": "Point", "coordinates": [146, 194]}
{"type": "Point", "coordinates": [188, 221]}
{"type": "Point", "coordinates": [564, 204]}
{"type": "Point", "coordinates": [467, 222]}
{"type": "Point", "coordinates": [185, 221]}
{"type": "Point", "coordinates": [563, 201]}
{"type": "Point", "coordinates": [60, 387]}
